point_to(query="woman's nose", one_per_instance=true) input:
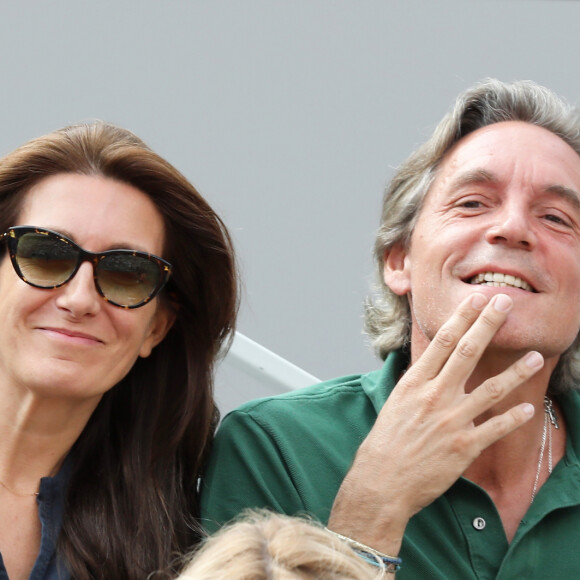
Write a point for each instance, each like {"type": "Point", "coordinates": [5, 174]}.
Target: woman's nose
{"type": "Point", "coordinates": [79, 295]}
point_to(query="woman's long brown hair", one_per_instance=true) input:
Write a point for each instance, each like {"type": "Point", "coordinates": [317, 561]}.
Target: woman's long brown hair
{"type": "Point", "coordinates": [132, 504]}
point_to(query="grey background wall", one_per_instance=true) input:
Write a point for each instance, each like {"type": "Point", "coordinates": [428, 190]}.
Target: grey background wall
{"type": "Point", "coordinates": [288, 115]}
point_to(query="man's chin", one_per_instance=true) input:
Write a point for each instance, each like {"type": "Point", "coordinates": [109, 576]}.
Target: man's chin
{"type": "Point", "coordinates": [519, 342]}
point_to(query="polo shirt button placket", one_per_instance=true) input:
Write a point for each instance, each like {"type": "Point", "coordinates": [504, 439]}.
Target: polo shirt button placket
{"type": "Point", "coordinates": [478, 523]}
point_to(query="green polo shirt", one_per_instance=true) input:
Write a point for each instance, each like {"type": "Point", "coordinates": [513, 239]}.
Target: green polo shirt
{"type": "Point", "coordinates": [291, 452]}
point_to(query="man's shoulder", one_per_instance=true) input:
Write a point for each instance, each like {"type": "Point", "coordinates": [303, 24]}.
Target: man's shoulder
{"type": "Point", "coordinates": [343, 397]}
{"type": "Point", "coordinates": [336, 407]}
{"type": "Point", "coordinates": [327, 393]}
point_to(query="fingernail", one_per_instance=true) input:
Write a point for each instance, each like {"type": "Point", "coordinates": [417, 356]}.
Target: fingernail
{"type": "Point", "coordinates": [478, 301]}
{"type": "Point", "coordinates": [502, 303]}
{"type": "Point", "coordinates": [528, 409]}
{"type": "Point", "coordinates": [534, 360]}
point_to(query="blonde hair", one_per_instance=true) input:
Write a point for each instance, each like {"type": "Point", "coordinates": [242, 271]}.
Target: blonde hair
{"type": "Point", "coordinates": [267, 546]}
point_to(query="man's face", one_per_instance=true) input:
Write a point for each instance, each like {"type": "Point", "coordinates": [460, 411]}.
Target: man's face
{"type": "Point", "coordinates": [503, 216]}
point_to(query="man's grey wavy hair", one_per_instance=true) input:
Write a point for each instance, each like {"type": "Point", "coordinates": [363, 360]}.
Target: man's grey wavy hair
{"type": "Point", "coordinates": [388, 317]}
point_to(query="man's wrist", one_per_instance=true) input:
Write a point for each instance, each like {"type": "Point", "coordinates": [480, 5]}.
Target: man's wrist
{"type": "Point", "coordinates": [390, 564]}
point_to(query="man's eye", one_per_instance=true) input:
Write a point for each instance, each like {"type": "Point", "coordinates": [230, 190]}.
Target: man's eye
{"type": "Point", "coordinates": [471, 204]}
{"type": "Point", "coordinates": [556, 219]}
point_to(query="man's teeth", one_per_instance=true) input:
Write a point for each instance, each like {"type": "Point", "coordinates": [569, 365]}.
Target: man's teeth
{"type": "Point", "coordinates": [500, 280]}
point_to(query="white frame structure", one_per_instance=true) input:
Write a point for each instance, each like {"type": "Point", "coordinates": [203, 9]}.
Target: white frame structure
{"type": "Point", "coordinates": [257, 361]}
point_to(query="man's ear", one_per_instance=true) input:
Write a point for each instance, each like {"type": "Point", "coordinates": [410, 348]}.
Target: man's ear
{"type": "Point", "coordinates": [160, 325]}
{"type": "Point", "coordinates": [396, 270]}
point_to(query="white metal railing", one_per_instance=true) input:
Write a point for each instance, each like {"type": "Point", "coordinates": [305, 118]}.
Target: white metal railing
{"type": "Point", "coordinates": [256, 360]}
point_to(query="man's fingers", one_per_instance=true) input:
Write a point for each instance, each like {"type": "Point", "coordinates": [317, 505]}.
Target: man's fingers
{"type": "Point", "coordinates": [446, 339]}
{"type": "Point", "coordinates": [499, 426]}
{"type": "Point", "coordinates": [496, 388]}
{"type": "Point", "coordinates": [476, 339]}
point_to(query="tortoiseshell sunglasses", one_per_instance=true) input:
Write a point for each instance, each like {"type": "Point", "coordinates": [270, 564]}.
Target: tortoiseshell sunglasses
{"type": "Point", "coordinates": [46, 259]}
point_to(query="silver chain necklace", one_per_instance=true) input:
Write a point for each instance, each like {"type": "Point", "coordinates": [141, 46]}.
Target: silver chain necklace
{"type": "Point", "coordinates": [549, 420]}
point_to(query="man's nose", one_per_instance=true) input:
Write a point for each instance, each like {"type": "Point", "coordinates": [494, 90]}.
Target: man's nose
{"type": "Point", "coordinates": [512, 227]}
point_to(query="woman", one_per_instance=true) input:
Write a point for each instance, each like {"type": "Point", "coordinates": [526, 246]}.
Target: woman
{"type": "Point", "coordinates": [118, 289]}
{"type": "Point", "coordinates": [268, 546]}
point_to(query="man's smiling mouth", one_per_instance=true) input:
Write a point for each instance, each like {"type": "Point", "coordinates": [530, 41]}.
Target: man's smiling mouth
{"type": "Point", "coordinates": [500, 281]}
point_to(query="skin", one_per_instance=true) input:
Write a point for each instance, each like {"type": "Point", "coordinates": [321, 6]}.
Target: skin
{"type": "Point", "coordinates": [68, 346]}
{"type": "Point", "coordinates": [505, 200]}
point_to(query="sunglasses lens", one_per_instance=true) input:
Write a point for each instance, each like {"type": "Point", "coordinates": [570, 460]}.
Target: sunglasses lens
{"type": "Point", "coordinates": [45, 261]}
{"type": "Point", "coordinates": [127, 279]}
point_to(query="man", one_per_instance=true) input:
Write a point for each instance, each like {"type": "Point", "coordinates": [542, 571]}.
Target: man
{"type": "Point", "coordinates": [461, 454]}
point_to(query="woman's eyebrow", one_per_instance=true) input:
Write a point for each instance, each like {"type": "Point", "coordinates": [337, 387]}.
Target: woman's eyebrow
{"type": "Point", "coordinates": [115, 246]}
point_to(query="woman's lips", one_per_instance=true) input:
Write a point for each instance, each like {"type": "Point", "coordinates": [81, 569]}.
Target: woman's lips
{"type": "Point", "coordinates": [72, 336]}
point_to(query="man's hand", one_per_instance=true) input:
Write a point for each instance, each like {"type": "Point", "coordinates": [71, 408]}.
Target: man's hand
{"type": "Point", "coordinates": [425, 436]}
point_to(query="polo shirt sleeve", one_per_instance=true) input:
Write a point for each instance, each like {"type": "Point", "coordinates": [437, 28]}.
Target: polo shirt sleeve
{"type": "Point", "coordinates": [246, 469]}
{"type": "Point", "coordinates": [288, 453]}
